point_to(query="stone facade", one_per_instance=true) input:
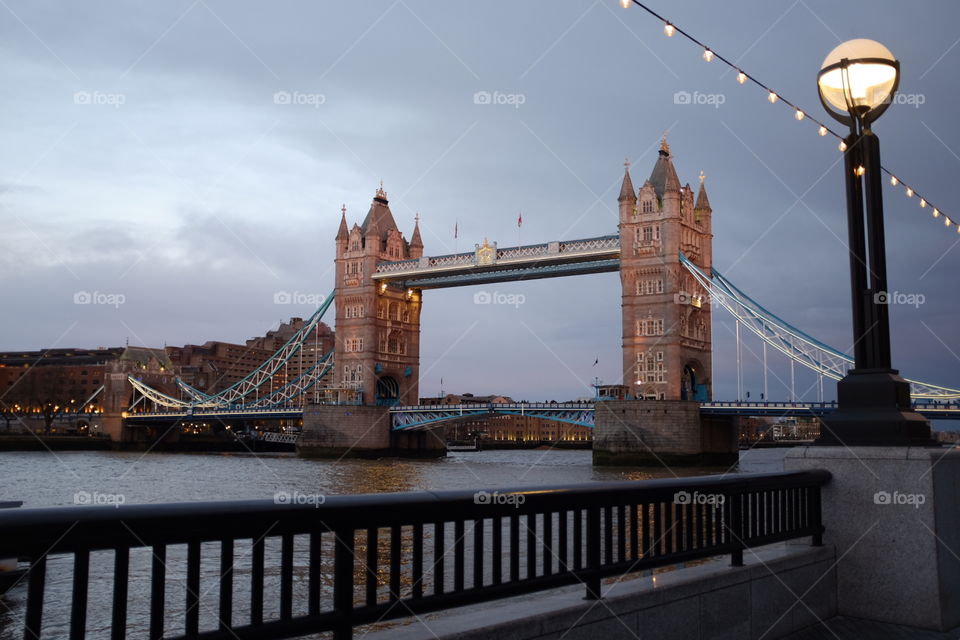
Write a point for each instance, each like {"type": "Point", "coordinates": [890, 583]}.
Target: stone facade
{"type": "Point", "coordinates": [893, 515]}
{"type": "Point", "coordinates": [666, 314]}
{"type": "Point", "coordinates": [377, 326]}
{"type": "Point", "coordinates": [342, 431]}
{"type": "Point", "coordinates": [650, 432]}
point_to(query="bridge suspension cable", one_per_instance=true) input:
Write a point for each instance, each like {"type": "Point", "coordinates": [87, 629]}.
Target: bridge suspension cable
{"type": "Point", "coordinates": [237, 394]}
{"type": "Point", "coordinates": [794, 343]}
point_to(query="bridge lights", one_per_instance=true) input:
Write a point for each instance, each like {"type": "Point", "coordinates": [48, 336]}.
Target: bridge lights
{"type": "Point", "coordinates": [856, 83]}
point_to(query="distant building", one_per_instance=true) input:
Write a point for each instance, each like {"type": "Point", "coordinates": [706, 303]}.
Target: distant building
{"type": "Point", "coordinates": [466, 398]}
{"type": "Point", "coordinates": [505, 428]}
{"type": "Point", "coordinates": [69, 377]}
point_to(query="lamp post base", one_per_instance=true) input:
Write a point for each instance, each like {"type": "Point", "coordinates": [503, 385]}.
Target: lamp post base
{"type": "Point", "coordinates": [875, 410]}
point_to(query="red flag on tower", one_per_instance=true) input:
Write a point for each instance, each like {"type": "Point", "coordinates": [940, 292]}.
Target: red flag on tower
{"type": "Point", "coordinates": [520, 220]}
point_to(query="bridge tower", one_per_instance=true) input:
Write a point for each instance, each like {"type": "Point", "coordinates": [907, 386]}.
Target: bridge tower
{"type": "Point", "coordinates": [666, 314]}
{"type": "Point", "coordinates": [377, 347]}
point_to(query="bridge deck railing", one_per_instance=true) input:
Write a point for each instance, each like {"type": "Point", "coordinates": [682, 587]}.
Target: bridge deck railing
{"type": "Point", "coordinates": [298, 565]}
{"type": "Point", "coordinates": [484, 406]}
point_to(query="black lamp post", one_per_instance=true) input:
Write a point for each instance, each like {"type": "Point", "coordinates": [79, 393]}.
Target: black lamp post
{"type": "Point", "coordinates": [856, 83]}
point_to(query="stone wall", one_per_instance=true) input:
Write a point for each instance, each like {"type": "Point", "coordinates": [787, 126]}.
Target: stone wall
{"type": "Point", "coordinates": [649, 432]}
{"type": "Point", "coordinates": [335, 431]}
{"type": "Point", "coordinates": [778, 591]}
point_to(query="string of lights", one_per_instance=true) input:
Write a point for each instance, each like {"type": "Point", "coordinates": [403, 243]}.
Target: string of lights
{"type": "Point", "coordinates": [670, 29]}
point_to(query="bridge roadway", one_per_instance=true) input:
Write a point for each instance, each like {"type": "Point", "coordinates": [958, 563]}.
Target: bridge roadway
{"type": "Point", "coordinates": [415, 417]}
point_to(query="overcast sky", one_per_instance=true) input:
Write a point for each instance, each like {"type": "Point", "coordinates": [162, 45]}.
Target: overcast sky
{"type": "Point", "coordinates": [189, 159]}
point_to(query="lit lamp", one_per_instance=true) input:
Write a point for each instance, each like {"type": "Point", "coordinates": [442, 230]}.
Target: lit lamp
{"type": "Point", "coordinates": [856, 83]}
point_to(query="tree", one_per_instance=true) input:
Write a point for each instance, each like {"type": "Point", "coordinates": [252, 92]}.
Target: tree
{"type": "Point", "coordinates": [45, 390]}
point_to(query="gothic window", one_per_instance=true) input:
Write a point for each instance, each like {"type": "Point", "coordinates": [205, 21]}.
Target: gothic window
{"type": "Point", "coordinates": [648, 234]}
{"type": "Point", "coordinates": [355, 246]}
{"type": "Point", "coordinates": [395, 342]}
{"type": "Point", "coordinates": [394, 311]}
{"type": "Point", "coordinates": [406, 315]}
{"type": "Point", "coordinates": [381, 311]}
{"type": "Point", "coordinates": [648, 206]}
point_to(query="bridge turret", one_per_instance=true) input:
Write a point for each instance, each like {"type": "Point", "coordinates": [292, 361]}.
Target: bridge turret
{"type": "Point", "coordinates": [666, 317]}
{"type": "Point", "coordinates": [416, 242]}
{"type": "Point", "coordinates": [378, 326]}
{"type": "Point", "coordinates": [703, 214]}
{"type": "Point", "coordinates": [343, 235]}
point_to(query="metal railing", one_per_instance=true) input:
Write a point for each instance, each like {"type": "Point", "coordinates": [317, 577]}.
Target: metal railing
{"type": "Point", "coordinates": [335, 563]}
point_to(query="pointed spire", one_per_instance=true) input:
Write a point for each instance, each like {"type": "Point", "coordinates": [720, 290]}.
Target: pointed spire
{"type": "Point", "coordinates": [664, 176]}
{"type": "Point", "coordinates": [703, 203]}
{"type": "Point", "coordinates": [415, 239]}
{"type": "Point", "coordinates": [379, 219]}
{"type": "Point", "coordinates": [342, 233]}
{"type": "Point", "coordinates": [627, 192]}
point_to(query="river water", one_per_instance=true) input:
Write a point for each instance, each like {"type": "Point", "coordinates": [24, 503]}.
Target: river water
{"type": "Point", "coordinates": [53, 479]}
{"type": "Point", "coordinates": [69, 478]}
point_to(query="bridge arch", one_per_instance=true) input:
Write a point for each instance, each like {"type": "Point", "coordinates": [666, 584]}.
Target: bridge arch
{"type": "Point", "coordinates": [388, 390]}
{"type": "Point", "coordinates": [692, 381]}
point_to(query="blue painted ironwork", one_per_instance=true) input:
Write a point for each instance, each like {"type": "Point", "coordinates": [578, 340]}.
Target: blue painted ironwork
{"type": "Point", "coordinates": [413, 418]}
{"type": "Point", "coordinates": [580, 413]}
{"type": "Point", "coordinates": [789, 340]}
{"type": "Point", "coordinates": [489, 264]}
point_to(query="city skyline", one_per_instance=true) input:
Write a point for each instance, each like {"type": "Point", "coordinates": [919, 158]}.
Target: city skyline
{"type": "Point", "coordinates": [232, 154]}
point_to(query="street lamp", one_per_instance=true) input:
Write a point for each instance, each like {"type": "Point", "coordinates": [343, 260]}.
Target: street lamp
{"type": "Point", "coordinates": [857, 83]}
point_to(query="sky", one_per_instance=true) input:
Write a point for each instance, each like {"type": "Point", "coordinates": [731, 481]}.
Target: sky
{"type": "Point", "coordinates": [168, 168]}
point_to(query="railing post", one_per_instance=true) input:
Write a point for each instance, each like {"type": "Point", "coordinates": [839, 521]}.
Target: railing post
{"type": "Point", "coordinates": [735, 528]}
{"type": "Point", "coordinates": [343, 584]}
{"type": "Point", "coordinates": [593, 553]}
{"type": "Point", "coordinates": [816, 516]}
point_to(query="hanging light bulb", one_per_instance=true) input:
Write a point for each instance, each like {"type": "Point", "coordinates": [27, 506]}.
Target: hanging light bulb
{"type": "Point", "coordinates": [707, 55]}
{"type": "Point", "coordinates": [909, 192]}
{"type": "Point", "coordinates": [936, 212]}
{"type": "Point", "coordinates": [946, 222]}
{"type": "Point", "coordinates": [772, 97]}
{"type": "Point", "coordinates": [958, 228]}
{"type": "Point", "coordinates": [923, 203]}
{"type": "Point", "coordinates": [843, 146]}
{"type": "Point", "coordinates": [798, 115]}
{"type": "Point", "coordinates": [741, 77]}
{"type": "Point", "coordinates": [668, 29]}
{"type": "Point", "coordinates": [624, 3]}
{"type": "Point", "coordinates": [822, 131]}
{"type": "Point", "coordinates": [893, 180]}
{"type": "Point", "coordinates": [859, 171]}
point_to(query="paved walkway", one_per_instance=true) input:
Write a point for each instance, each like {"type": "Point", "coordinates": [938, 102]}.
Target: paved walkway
{"type": "Point", "coordinates": [844, 628]}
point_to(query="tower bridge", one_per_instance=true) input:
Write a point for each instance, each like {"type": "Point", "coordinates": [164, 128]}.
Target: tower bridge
{"type": "Point", "coordinates": [363, 398]}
